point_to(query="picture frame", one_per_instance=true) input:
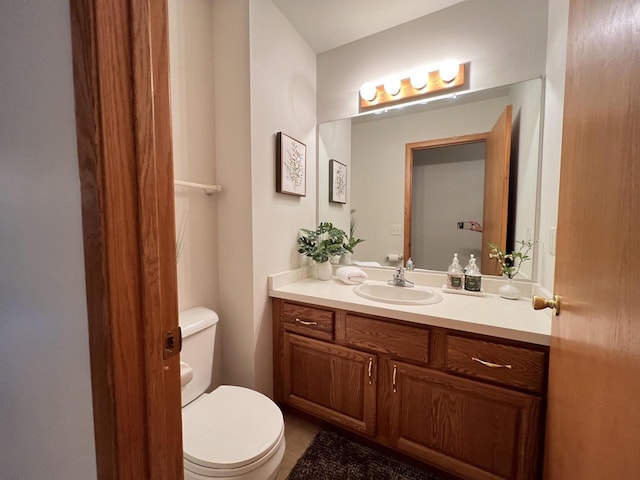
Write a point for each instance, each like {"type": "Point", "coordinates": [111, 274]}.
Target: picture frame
{"type": "Point", "coordinates": [291, 165]}
{"type": "Point", "coordinates": [337, 182]}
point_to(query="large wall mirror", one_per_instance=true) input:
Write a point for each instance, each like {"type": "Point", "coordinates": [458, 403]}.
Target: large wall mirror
{"type": "Point", "coordinates": [423, 176]}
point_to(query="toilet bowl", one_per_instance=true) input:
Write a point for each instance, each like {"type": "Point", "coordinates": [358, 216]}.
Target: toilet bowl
{"type": "Point", "coordinates": [232, 433]}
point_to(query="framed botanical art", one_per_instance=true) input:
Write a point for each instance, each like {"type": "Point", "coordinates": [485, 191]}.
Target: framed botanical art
{"type": "Point", "coordinates": [291, 164]}
{"type": "Point", "coordinates": [337, 182]}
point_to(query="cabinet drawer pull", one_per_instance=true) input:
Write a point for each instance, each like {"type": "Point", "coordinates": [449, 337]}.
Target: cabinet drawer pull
{"type": "Point", "coordinates": [489, 364]}
{"type": "Point", "coordinates": [395, 371]}
{"type": "Point", "coordinates": [303, 322]}
{"type": "Point", "coordinates": [370, 367]}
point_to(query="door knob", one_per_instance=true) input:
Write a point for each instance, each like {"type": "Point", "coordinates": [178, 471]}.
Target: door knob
{"type": "Point", "coordinates": [539, 303]}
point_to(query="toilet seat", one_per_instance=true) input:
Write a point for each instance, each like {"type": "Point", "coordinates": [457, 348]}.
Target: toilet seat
{"type": "Point", "coordinates": [230, 431]}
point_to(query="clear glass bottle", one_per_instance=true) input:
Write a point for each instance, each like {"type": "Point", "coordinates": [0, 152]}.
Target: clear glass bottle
{"type": "Point", "coordinates": [455, 274]}
{"type": "Point", "coordinates": [472, 276]}
{"type": "Point", "coordinates": [410, 265]}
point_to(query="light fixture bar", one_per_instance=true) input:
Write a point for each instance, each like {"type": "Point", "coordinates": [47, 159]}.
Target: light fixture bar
{"type": "Point", "coordinates": [434, 84]}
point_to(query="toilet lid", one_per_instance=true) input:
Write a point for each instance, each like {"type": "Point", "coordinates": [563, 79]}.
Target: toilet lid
{"type": "Point", "coordinates": [230, 427]}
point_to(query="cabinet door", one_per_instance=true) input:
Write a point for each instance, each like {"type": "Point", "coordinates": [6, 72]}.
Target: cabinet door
{"type": "Point", "coordinates": [331, 382]}
{"type": "Point", "coordinates": [473, 430]}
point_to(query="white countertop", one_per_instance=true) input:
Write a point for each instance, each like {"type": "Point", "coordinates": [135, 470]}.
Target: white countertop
{"type": "Point", "coordinates": [487, 315]}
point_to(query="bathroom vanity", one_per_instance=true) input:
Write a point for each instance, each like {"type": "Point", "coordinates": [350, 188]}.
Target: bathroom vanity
{"type": "Point", "coordinates": [464, 395]}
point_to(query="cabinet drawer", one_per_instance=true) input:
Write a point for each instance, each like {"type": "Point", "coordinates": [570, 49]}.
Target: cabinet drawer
{"type": "Point", "coordinates": [308, 321]}
{"type": "Point", "coordinates": [505, 364]}
{"type": "Point", "coordinates": [400, 341]}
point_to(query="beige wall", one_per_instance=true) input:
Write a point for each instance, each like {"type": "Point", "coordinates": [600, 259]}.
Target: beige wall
{"type": "Point", "coordinates": [283, 94]}
{"type": "Point", "coordinates": [192, 111]}
{"type": "Point", "coordinates": [46, 417]}
{"type": "Point", "coordinates": [232, 140]}
{"type": "Point", "coordinates": [552, 137]}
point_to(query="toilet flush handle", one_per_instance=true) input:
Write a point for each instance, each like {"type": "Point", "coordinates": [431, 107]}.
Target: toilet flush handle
{"type": "Point", "coordinates": [186, 373]}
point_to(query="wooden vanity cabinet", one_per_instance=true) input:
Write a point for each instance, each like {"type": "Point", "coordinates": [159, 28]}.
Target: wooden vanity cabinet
{"type": "Point", "coordinates": [470, 429]}
{"type": "Point", "coordinates": [330, 381]}
{"type": "Point", "coordinates": [468, 404]}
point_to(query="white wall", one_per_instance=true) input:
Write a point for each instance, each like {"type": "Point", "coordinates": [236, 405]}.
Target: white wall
{"type": "Point", "coordinates": [552, 137]}
{"type": "Point", "coordinates": [378, 157]}
{"type": "Point", "coordinates": [192, 111]}
{"type": "Point", "coordinates": [505, 42]}
{"type": "Point", "coordinates": [46, 415]}
{"type": "Point", "coordinates": [283, 98]}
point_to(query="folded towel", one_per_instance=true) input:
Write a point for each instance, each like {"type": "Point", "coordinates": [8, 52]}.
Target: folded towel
{"type": "Point", "coordinates": [367, 264]}
{"type": "Point", "coordinates": [350, 275]}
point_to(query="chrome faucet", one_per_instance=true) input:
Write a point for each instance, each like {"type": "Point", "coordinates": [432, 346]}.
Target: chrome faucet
{"type": "Point", "coordinates": [398, 279]}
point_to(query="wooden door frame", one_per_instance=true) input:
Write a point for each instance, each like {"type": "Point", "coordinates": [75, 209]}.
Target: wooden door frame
{"type": "Point", "coordinates": [120, 66]}
{"type": "Point", "coordinates": [410, 149]}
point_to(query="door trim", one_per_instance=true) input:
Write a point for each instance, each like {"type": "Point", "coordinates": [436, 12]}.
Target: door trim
{"type": "Point", "coordinates": [120, 66]}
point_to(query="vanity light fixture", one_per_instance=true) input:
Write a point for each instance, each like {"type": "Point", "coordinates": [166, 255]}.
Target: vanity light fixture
{"type": "Point", "coordinates": [392, 86]}
{"type": "Point", "coordinates": [368, 91]}
{"type": "Point", "coordinates": [421, 83]}
{"type": "Point", "coordinates": [419, 78]}
{"type": "Point", "coordinates": [449, 71]}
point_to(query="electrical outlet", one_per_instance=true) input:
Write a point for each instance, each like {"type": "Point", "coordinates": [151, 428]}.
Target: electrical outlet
{"type": "Point", "coordinates": [552, 241]}
{"type": "Point", "coordinates": [529, 234]}
{"type": "Point", "coordinates": [395, 229]}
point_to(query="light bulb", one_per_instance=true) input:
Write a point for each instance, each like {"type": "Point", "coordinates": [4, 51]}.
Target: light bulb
{"type": "Point", "coordinates": [368, 92]}
{"type": "Point", "coordinates": [419, 78]}
{"type": "Point", "coordinates": [449, 71]}
{"type": "Point", "coordinates": [392, 85]}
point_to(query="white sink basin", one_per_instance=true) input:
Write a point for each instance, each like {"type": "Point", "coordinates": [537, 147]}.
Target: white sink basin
{"type": "Point", "coordinates": [381, 292]}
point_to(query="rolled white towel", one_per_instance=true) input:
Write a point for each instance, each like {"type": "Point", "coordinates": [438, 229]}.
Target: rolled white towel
{"type": "Point", "coordinates": [350, 275]}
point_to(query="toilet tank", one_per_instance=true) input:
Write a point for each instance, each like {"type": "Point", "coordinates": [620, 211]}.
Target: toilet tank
{"type": "Point", "coordinates": [198, 327]}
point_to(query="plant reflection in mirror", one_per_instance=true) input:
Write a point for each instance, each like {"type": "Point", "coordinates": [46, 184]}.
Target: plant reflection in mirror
{"type": "Point", "coordinates": [510, 263]}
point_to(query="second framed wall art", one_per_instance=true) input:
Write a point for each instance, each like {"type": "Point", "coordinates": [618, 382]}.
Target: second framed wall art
{"type": "Point", "coordinates": [337, 182]}
{"type": "Point", "coordinates": [291, 164]}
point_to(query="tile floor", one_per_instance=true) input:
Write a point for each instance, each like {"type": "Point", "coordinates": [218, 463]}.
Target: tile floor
{"type": "Point", "coordinates": [298, 434]}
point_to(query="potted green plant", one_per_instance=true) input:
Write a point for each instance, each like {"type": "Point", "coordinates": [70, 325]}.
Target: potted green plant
{"type": "Point", "coordinates": [349, 246]}
{"type": "Point", "coordinates": [510, 264]}
{"type": "Point", "coordinates": [321, 244]}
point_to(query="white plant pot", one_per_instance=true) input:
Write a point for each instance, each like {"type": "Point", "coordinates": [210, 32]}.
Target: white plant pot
{"type": "Point", "coordinates": [324, 270]}
{"type": "Point", "coordinates": [346, 259]}
{"type": "Point", "coordinates": [509, 290]}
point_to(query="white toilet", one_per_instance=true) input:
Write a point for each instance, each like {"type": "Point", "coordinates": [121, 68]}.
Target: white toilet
{"type": "Point", "coordinates": [233, 432]}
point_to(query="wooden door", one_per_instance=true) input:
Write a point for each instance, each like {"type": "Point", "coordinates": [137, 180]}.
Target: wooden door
{"type": "Point", "coordinates": [120, 61]}
{"type": "Point", "coordinates": [593, 420]}
{"type": "Point", "coordinates": [330, 381]}
{"type": "Point", "coordinates": [465, 427]}
{"type": "Point", "coordinates": [496, 190]}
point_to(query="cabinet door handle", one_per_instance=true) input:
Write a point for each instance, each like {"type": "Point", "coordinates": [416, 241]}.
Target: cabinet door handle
{"type": "Point", "coordinates": [303, 322]}
{"type": "Point", "coordinates": [489, 364]}
{"type": "Point", "coordinates": [395, 371]}
{"type": "Point", "coordinates": [370, 367]}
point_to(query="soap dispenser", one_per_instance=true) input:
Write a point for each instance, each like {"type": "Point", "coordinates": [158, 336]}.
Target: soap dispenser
{"type": "Point", "coordinates": [410, 265]}
{"type": "Point", "coordinates": [472, 276]}
{"type": "Point", "coordinates": [455, 275]}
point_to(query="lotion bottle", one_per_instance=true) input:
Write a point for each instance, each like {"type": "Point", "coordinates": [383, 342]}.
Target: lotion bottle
{"type": "Point", "coordinates": [472, 276]}
{"type": "Point", "coordinates": [455, 275]}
